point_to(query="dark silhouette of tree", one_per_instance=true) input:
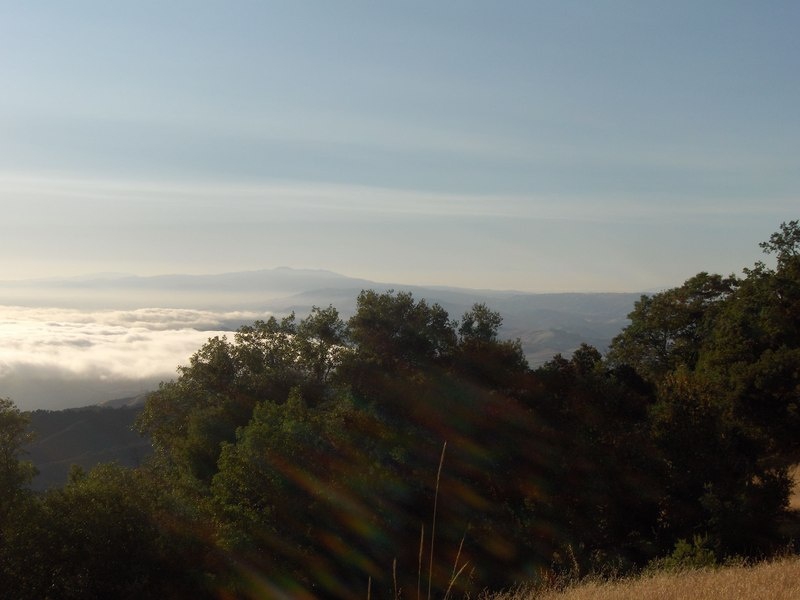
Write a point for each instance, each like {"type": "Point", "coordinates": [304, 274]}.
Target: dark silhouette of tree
{"type": "Point", "coordinates": [302, 457]}
{"type": "Point", "coordinates": [668, 329]}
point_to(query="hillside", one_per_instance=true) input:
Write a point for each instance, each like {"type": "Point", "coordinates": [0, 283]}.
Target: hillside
{"type": "Point", "coordinates": [778, 580]}
{"type": "Point", "coordinates": [84, 437]}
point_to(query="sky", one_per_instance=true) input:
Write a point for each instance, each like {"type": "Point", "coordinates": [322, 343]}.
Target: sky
{"type": "Point", "coordinates": [536, 145]}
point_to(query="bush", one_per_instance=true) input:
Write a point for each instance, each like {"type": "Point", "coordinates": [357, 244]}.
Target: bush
{"type": "Point", "coordinates": [686, 556]}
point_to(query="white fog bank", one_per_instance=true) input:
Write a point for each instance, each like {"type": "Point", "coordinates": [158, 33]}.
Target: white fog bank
{"type": "Point", "coordinates": [55, 358]}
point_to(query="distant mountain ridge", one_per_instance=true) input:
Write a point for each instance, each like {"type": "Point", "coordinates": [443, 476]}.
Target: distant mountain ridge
{"type": "Point", "coordinates": [546, 323]}
{"type": "Point", "coordinates": [279, 278]}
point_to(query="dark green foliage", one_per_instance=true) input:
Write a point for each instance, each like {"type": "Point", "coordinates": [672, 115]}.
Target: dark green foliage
{"type": "Point", "coordinates": [716, 484]}
{"type": "Point", "coordinates": [481, 357]}
{"type": "Point", "coordinates": [394, 331]}
{"type": "Point", "coordinates": [301, 459]}
{"type": "Point", "coordinates": [668, 329]}
{"type": "Point", "coordinates": [14, 472]}
{"type": "Point", "coordinates": [685, 556]}
{"type": "Point", "coordinates": [190, 418]}
{"type": "Point", "coordinates": [480, 324]}
{"type": "Point", "coordinates": [754, 354]}
{"type": "Point", "coordinates": [604, 471]}
{"type": "Point", "coordinates": [784, 244]}
{"type": "Point", "coordinates": [725, 354]}
{"type": "Point", "coordinates": [101, 536]}
{"type": "Point", "coordinates": [292, 467]}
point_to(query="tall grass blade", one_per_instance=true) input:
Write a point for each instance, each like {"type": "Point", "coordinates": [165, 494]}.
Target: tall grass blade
{"type": "Point", "coordinates": [458, 555]}
{"type": "Point", "coordinates": [419, 567]}
{"type": "Point", "coordinates": [433, 524]}
{"type": "Point", "coordinates": [453, 580]}
{"type": "Point", "coordinates": [458, 572]}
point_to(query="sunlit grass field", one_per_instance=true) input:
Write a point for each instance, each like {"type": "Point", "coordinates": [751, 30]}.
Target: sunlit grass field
{"type": "Point", "coordinates": [776, 580]}
{"type": "Point", "coordinates": [794, 498]}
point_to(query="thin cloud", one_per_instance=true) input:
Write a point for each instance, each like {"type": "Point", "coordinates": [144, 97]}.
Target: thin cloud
{"type": "Point", "coordinates": [299, 201]}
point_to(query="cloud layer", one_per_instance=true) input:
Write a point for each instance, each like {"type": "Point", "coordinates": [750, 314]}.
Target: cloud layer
{"type": "Point", "coordinates": [55, 358]}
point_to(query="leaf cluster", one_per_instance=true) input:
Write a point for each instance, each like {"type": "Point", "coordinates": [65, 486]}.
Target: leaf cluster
{"type": "Point", "coordinates": [302, 458]}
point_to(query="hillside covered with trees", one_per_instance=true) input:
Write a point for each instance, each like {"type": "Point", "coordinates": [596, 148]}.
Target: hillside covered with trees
{"type": "Point", "coordinates": [84, 437]}
{"type": "Point", "coordinates": [309, 457]}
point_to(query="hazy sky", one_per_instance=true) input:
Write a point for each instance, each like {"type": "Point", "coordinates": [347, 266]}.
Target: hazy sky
{"type": "Point", "coordinates": [531, 145]}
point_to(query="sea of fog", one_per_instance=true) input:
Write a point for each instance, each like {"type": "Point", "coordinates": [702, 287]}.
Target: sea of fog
{"type": "Point", "coordinates": [101, 344]}
{"type": "Point", "coordinates": [54, 358]}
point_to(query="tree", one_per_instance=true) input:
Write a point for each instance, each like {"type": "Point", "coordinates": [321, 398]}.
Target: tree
{"type": "Point", "coordinates": [485, 359]}
{"type": "Point", "coordinates": [715, 481]}
{"type": "Point", "coordinates": [15, 473]}
{"type": "Point", "coordinates": [753, 351]}
{"type": "Point", "coordinates": [668, 329]}
{"type": "Point", "coordinates": [393, 330]}
{"type": "Point", "coordinates": [785, 244]}
{"type": "Point", "coordinates": [321, 343]}
{"type": "Point", "coordinates": [16, 502]}
{"type": "Point", "coordinates": [103, 535]}
{"type": "Point", "coordinates": [480, 324]}
{"type": "Point", "coordinates": [189, 419]}
{"type": "Point", "coordinates": [602, 474]}
{"type": "Point", "coordinates": [300, 485]}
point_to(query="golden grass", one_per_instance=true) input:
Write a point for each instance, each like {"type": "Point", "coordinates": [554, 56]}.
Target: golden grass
{"type": "Point", "coordinates": [794, 497]}
{"type": "Point", "coordinates": [777, 580]}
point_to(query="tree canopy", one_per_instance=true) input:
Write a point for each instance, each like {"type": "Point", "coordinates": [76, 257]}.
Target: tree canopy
{"type": "Point", "coordinates": [305, 457]}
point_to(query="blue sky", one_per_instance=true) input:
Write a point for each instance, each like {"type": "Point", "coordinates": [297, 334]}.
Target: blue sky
{"type": "Point", "coordinates": [540, 146]}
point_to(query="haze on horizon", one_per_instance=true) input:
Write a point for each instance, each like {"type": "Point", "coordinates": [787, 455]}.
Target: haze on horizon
{"type": "Point", "coordinates": [538, 146]}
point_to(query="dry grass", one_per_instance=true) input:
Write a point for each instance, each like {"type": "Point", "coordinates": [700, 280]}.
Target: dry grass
{"type": "Point", "coordinates": [777, 580]}
{"type": "Point", "coordinates": [794, 497]}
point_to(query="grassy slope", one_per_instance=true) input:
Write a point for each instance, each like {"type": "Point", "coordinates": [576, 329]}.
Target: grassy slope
{"type": "Point", "coordinates": [794, 498]}
{"type": "Point", "coordinates": [777, 580]}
